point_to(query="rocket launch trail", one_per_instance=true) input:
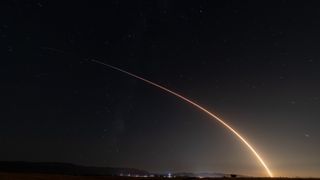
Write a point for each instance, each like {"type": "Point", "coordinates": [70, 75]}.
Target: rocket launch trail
{"type": "Point", "coordinates": [243, 140]}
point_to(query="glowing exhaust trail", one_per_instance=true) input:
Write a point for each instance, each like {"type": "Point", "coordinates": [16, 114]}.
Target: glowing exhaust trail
{"type": "Point", "coordinates": [196, 105]}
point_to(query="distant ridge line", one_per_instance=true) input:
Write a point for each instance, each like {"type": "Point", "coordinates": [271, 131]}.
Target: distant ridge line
{"type": "Point", "coordinates": [65, 168]}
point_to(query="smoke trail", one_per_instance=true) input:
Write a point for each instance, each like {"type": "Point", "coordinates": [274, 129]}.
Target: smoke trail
{"type": "Point", "coordinates": [197, 106]}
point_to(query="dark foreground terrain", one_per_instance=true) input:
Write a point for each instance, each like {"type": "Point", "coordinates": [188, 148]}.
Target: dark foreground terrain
{"type": "Point", "coordinates": [65, 171]}
{"type": "Point", "coordinates": [34, 176]}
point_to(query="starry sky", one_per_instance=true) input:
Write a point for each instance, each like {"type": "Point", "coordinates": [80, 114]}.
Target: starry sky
{"type": "Point", "coordinates": [256, 64]}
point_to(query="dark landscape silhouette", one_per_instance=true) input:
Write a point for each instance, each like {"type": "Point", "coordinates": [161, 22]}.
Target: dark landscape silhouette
{"type": "Point", "coordinates": [14, 170]}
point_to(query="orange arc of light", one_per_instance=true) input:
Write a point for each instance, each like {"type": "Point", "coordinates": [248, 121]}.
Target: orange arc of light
{"type": "Point", "coordinates": [199, 107]}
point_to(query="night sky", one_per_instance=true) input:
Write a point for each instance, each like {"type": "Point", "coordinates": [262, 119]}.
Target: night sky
{"type": "Point", "coordinates": [256, 64]}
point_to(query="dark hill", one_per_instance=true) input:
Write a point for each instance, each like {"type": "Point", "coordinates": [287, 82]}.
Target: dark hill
{"type": "Point", "coordinates": [65, 169]}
